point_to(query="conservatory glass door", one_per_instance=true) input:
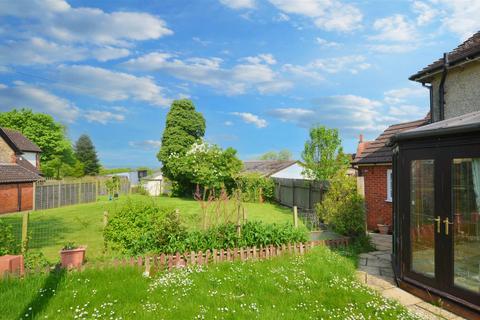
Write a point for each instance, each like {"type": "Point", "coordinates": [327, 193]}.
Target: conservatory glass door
{"type": "Point", "coordinates": [464, 225]}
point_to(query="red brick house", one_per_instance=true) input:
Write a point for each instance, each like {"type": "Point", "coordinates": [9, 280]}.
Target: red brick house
{"type": "Point", "coordinates": [19, 168]}
{"type": "Point", "coordinates": [374, 163]}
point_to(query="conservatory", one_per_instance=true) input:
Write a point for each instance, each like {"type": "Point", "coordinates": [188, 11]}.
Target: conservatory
{"type": "Point", "coordinates": [437, 212]}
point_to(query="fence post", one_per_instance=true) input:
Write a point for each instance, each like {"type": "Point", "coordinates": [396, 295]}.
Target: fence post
{"type": "Point", "coordinates": [25, 231]}
{"type": "Point", "coordinates": [59, 194]}
{"type": "Point", "coordinates": [295, 216]}
{"type": "Point", "coordinates": [34, 201]}
{"type": "Point", "coordinates": [105, 218]}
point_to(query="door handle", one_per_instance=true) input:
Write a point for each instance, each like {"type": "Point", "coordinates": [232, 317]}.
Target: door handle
{"type": "Point", "coordinates": [437, 220]}
{"type": "Point", "coordinates": [447, 223]}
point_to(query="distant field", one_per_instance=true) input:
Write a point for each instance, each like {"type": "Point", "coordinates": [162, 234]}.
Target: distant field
{"type": "Point", "coordinates": [51, 229]}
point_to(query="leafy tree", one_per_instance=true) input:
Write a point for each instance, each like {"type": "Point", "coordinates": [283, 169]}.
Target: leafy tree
{"type": "Point", "coordinates": [85, 152]}
{"type": "Point", "coordinates": [207, 165]}
{"type": "Point", "coordinates": [184, 126]}
{"type": "Point", "coordinates": [284, 154]}
{"type": "Point", "coordinates": [323, 154]}
{"type": "Point", "coordinates": [48, 134]}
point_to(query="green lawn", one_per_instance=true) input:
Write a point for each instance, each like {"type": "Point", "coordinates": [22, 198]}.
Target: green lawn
{"type": "Point", "coordinates": [82, 224]}
{"type": "Point", "coordinates": [319, 285]}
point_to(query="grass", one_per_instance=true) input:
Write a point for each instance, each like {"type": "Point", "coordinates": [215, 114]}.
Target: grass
{"type": "Point", "coordinates": [83, 224]}
{"type": "Point", "coordinates": [319, 285]}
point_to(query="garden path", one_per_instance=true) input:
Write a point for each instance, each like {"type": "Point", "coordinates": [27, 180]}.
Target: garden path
{"type": "Point", "coordinates": [375, 270]}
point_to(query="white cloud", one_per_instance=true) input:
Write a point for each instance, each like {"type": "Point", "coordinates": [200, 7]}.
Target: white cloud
{"type": "Point", "coordinates": [109, 85]}
{"type": "Point", "coordinates": [146, 144]}
{"type": "Point", "coordinates": [282, 17]}
{"type": "Point", "coordinates": [102, 116]}
{"type": "Point", "coordinates": [330, 15]}
{"type": "Point", "coordinates": [327, 44]}
{"type": "Point", "coordinates": [40, 51]}
{"type": "Point", "coordinates": [26, 96]}
{"type": "Point", "coordinates": [32, 8]}
{"type": "Point", "coordinates": [407, 111]}
{"type": "Point", "coordinates": [319, 67]}
{"type": "Point", "coordinates": [395, 28]}
{"type": "Point", "coordinates": [239, 4]}
{"type": "Point", "coordinates": [350, 113]}
{"type": "Point", "coordinates": [425, 12]}
{"type": "Point", "coordinates": [110, 53]}
{"type": "Point", "coordinates": [461, 17]}
{"type": "Point", "coordinates": [261, 58]}
{"type": "Point", "coordinates": [393, 48]}
{"type": "Point", "coordinates": [251, 73]}
{"type": "Point", "coordinates": [251, 118]}
{"type": "Point", "coordinates": [57, 19]}
{"type": "Point", "coordinates": [402, 95]}
{"type": "Point", "coordinates": [228, 123]}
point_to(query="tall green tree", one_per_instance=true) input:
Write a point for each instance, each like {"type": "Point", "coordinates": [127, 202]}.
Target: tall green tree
{"type": "Point", "coordinates": [49, 135]}
{"type": "Point", "coordinates": [184, 126]}
{"type": "Point", "coordinates": [283, 154]}
{"type": "Point", "coordinates": [323, 154]}
{"type": "Point", "coordinates": [85, 153]}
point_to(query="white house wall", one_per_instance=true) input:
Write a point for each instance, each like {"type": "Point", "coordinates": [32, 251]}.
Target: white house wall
{"type": "Point", "coordinates": [292, 172]}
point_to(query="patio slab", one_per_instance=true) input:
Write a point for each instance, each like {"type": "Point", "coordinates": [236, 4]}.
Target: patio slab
{"type": "Point", "coordinates": [375, 270]}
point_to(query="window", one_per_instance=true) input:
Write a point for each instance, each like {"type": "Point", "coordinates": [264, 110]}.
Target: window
{"type": "Point", "coordinates": [389, 185]}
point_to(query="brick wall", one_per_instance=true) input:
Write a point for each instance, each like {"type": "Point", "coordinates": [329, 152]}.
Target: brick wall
{"type": "Point", "coordinates": [9, 197]}
{"type": "Point", "coordinates": [378, 209]}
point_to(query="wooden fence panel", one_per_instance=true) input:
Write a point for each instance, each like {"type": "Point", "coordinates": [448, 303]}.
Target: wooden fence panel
{"type": "Point", "coordinates": [296, 192]}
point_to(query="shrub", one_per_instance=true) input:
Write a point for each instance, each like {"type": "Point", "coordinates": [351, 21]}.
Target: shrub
{"type": "Point", "coordinates": [132, 228]}
{"type": "Point", "coordinates": [343, 208]}
{"type": "Point", "coordinates": [169, 234]}
{"type": "Point", "coordinates": [138, 228]}
{"type": "Point", "coordinates": [35, 260]}
{"type": "Point", "coordinates": [255, 187]}
{"type": "Point", "coordinates": [8, 244]}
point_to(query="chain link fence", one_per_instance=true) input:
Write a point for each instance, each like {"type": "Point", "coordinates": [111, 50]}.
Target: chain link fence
{"type": "Point", "coordinates": [58, 193]}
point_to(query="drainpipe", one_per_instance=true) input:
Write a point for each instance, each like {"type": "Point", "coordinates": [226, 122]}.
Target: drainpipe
{"type": "Point", "coordinates": [429, 87]}
{"type": "Point", "coordinates": [441, 88]}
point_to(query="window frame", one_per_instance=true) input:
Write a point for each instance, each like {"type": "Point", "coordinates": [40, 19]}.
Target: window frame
{"type": "Point", "coordinates": [389, 186]}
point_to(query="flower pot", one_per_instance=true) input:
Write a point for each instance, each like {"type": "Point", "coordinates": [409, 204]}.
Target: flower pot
{"type": "Point", "coordinates": [383, 228]}
{"type": "Point", "coordinates": [73, 258]}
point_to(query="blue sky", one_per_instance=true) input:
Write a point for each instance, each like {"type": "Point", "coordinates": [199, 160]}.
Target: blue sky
{"type": "Point", "coordinates": [261, 72]}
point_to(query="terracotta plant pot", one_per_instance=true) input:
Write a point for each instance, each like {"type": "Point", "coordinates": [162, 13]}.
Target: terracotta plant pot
{"type": "Point", "coordinates": [383, 228]}
{"type": "Point", "coordinates": [73, 258]}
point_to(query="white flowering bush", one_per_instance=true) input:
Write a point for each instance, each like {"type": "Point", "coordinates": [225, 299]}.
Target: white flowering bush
{"type": "Point", "coordinates": [206, 165]}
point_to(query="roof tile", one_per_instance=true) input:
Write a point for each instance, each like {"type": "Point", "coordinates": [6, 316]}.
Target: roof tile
{"type": "Point", "coordinates": [20, 141]}
{"type": "Point", "coordinates": [14, 173]}
{"type": "Point", "coordinates": [464, 51]}
{"type": "Point", "coordinates": [377, 152]}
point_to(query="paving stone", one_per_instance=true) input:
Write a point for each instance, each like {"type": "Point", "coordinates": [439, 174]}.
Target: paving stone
{"type": "Point", "coordinates": [387, 272]}
{"type": "Point", "coordinates": [361, 276]}
{"type": "Point", "coordinates": [367, 256]}
{"type": "Point", "coordinates": [424, 314]}
{"type": "Point", "coordinates": [385, 256]}
{"type": "Point", "coordinates": [401, 296]}
{"type": "Point", "coordinates": [436, 310]}
{"type": "Point", "coordinates": [370, 270]}
{"type": "Point", "coordinates": [378, 263]}
{"type": "Point", "coordinates": [380, 282]}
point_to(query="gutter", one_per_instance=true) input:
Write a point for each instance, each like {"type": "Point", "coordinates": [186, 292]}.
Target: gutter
{"type": "Point", "coordinates": [441, 88]}
{"type": "Point", "coordinates": [422, 76]}
{"type": "Point", "coordinates": [474, 127]}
